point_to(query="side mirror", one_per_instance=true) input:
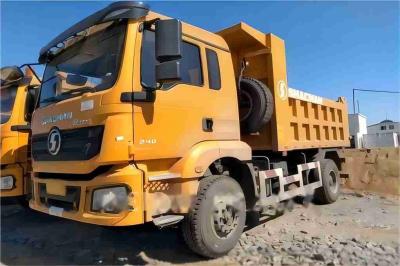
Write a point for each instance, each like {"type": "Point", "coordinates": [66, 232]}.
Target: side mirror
{"type": "Point", "coordinates": [10, 75]}
{"type": "Point", "coordinates": [168, 45]}
{"type": "Point", "coordinates": [30, 103]}
{"type": "Point", "coordinates": [21, 128]}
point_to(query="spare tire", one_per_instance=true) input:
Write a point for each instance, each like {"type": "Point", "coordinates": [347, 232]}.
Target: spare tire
{"type": "Point", "coordinates": [256, 105]}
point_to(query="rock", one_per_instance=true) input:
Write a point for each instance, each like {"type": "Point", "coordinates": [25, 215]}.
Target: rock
{"type": "Point", "coordinates": [387, 249]}
{"type": "Point", "coordinates": [276, 259]}
{"type": "Point", "coordinates": [286, 245]}
{"type": "Point", "coordinates": [369, 245]}
{"type": "Point", "coordinates": [319, 257]}
{"type": "Point", "coordinates": [288, 260]}
{"type": "Point", "coordinates": [304, 232]}
{"type": "Point", "coordinates": [359, 194]}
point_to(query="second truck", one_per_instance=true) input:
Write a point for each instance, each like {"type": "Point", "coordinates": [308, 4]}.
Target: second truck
{"type": "Point", "coordinates": [18, 92]}
{"type": "Point", "coordinates": [144, 118]}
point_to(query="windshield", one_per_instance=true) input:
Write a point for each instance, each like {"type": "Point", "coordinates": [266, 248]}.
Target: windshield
{"type": "Point", "coordinates": [7, 99]}
{"type": "Point", "coordinates": [88, 61]}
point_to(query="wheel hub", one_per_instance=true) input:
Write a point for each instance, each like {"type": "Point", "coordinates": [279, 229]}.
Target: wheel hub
{"type": "Point", "coordinates": [225, 219]}
{"type": "Point", "coordinates": [332, 181]}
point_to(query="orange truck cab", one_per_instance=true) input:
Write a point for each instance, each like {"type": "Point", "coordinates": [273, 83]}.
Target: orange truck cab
{"type": "Point", "coordinates": [144, 118]}
{"type": "Point", "coordinates": [18, 96]}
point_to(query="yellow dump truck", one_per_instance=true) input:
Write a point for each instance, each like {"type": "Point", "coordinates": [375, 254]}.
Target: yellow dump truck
{"type": "Point", "coordinates": [144, 118]}
{"type": "Point", "coordinates": [18, 97]}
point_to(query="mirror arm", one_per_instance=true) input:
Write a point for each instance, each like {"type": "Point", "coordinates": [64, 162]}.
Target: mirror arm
{"type": "Point", "coordinates": [150, 88]}
{"type": "Point", "coordinates": [147, 24]}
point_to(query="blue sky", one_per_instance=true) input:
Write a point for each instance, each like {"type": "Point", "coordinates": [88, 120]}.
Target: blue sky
{"type": "Point", "coordinates": [331, 47]}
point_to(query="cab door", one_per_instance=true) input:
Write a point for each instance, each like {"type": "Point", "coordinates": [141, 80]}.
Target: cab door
{"type": "Point", "coordinates": [183, 113]}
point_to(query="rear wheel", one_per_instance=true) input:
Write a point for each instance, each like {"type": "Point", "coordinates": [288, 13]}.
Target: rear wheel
{"type": "Point", "coordinates": [330, 189]}
{"type": "Point", "coordinates": [215, 222]}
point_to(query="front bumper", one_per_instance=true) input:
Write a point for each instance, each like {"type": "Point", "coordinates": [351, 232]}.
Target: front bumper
{"type": "Point", "coordinates": [17, 173]}
{"type": "Point", "coordinates": [73, 199]}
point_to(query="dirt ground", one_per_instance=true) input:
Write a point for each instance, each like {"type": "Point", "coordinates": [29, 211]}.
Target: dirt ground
{"type": "Point", "coordinates": [360, 229]}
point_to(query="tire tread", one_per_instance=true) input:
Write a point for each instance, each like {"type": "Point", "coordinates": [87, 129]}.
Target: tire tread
{"type": "Point", "coordinates": [321, 194]}
{"type": "Point", "coordinates": [191, 227]}
{"type": "Point", "coordinates": [262, 114]}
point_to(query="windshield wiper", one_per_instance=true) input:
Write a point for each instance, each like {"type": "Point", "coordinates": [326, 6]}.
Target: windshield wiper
{"type": "Point", "coordinates": [79, 90]}
{"type": "Point", "coordinates": [50, 99]}
{"type": "Point", "coordinates": [60, 97]}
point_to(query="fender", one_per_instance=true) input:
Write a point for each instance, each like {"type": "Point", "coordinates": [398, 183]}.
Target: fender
{"type": "Point", "coordinates": [331, 153]}
{"type": "Point", "coordinates": [196, 161]}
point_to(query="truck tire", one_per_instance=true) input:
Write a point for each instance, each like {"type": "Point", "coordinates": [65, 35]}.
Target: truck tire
{"type": "Point", "coordinates": [256, 105]}
{"type": "Point", "coordinates": [330, 189]}
{"type": "Point", "coordinates": [23, 201]}
{"type": "Point", "coordinates": [216, 219]}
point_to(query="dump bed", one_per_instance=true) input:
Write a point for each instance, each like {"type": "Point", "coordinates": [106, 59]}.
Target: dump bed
{"type": "Point", "coordinates": [300, 120]}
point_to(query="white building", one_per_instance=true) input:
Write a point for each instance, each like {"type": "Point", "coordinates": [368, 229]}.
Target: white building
{"type": "Point", "coordinates": [357, 129]}
{"type": "Point", "coordinates": [386, 126]}
{"type": "Point", "coordinates": [383, 134]}
{"type": "Point", "coordinates": [380, 140]}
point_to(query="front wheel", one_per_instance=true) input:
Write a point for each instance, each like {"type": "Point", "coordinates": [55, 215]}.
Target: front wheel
{"type": "Point", "coordinates": [216, 220]}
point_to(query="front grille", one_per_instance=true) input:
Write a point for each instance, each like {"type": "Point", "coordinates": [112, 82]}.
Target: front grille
{"type": "Point", "coordinates": [69, 202]}
{"type": "Point", "coordinates": [76, 177]}
{"type": "Point", "coordinates": [76, 145]}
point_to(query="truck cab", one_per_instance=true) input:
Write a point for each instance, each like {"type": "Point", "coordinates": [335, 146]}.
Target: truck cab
{"type": "Point", "coordinates": [138, 120]}
{"type": "Point", "coordinates": [103, 121]}
{"type": "Point", "coordinates": [18, 95]}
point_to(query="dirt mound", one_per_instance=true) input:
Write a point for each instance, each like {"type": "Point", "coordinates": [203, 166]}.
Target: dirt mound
{"type": "Point", "coordinates": [372, 169]}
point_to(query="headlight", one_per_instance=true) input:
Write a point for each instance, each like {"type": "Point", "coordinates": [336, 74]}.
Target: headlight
{"type": "Point", "coordinates": [110, 200]}
{"type": "Point", "coordinates": [7, 182]}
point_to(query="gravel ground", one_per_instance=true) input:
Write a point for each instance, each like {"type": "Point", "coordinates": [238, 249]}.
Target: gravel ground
{"type": "Point", "coordinates": [359, 229]}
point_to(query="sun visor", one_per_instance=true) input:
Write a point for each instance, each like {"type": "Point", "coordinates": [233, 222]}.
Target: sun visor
{"type": "Point", "coordinates": [115, 11]}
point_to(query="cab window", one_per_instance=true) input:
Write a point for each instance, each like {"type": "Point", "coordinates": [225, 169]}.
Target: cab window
{"type": "Point", "coordinates": [191, 72]}
{"type": "Point", "coordinates": [214, 77]}
{"type": "Point", "coordinates": [86, 62]}
{"type": "Point", "coordinates": [7, 97]}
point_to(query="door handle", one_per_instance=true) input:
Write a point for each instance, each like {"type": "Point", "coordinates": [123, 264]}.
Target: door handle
{"type": "Point", "coordinates": [208, 124]}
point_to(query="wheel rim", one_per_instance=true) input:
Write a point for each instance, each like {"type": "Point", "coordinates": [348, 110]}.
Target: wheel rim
{"type": "Point", "coordinates": [246, 105]}
{"type": "Point", "coordinates": [332, 182]}
{"type": "Point", "coordinates": [224, 219]}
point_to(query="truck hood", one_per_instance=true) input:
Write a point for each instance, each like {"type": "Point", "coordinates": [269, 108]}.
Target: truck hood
{"type": "Point", "coordinates": [75, 119]}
